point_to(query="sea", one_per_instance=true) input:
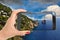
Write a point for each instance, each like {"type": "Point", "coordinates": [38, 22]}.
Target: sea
{"type": "Point", "coordinates": [44, 31]}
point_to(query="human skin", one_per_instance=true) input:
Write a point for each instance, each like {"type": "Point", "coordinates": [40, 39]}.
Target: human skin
{"type": "Point", "coordinates": [9, 30]}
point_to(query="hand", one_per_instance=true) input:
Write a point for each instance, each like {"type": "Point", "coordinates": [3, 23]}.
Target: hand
{"type": "Point", "coordinates": [9, 30]}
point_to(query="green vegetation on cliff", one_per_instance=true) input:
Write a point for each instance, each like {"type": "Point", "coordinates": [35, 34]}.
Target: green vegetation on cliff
{"type": "Point", "coordinates": [4, 14]}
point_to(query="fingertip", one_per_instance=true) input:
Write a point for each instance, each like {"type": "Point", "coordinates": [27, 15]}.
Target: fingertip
{"type": "Point", "coordinates": [22, 10]}
{"type": "Point", "coordinates": [28, 32]}
{"type": "Point", "coordinates": [18, 10]}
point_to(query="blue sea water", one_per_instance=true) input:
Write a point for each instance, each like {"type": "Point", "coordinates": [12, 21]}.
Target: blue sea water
{"type": "Point", "coordinates": [44, 34]}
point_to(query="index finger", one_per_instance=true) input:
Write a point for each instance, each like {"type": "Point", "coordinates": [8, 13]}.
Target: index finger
{"type": "Point", "coordinates": [18, 10]}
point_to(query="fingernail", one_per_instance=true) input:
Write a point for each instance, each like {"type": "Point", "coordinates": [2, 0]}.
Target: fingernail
{"type": "Point", "coordinates": [27, 32]}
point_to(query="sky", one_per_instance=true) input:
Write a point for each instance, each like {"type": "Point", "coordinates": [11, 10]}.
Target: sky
{"type": "Point", "coordinates": [31, 5]}
{"type": "Point", "coordinates": [34, 5]}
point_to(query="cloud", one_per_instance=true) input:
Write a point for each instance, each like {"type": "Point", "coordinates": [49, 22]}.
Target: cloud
{"type": "Point", "coordinates": [54, 8]}
{"type": "Point", "coordinates": [48, 17]}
